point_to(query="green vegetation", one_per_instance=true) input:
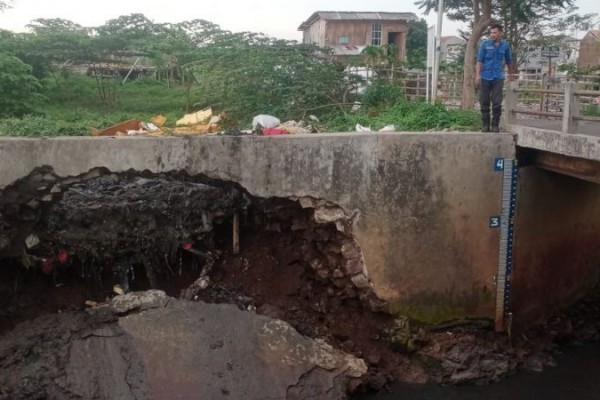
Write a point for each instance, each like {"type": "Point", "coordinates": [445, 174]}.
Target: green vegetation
{"type": "Point", "coordinates": [592, 110]}
{"type": "Point", "coordinates": [64, 79]}
{"type": "Point", "coordinates": [406, 116]}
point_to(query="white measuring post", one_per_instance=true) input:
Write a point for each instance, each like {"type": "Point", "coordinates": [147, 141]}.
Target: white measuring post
{"type": "Point", "coordinates": [430, 59]}
{"type": "Point", "coordinates": [505, 222]}
{"type": "Point", "coordinates": [438, 51]}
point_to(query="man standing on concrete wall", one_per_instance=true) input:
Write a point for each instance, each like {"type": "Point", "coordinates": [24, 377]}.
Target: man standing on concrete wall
{"type": "Point", "coordinates": [491, 58]}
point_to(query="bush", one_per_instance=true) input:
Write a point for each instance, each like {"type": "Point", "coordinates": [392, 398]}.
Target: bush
{"type": "Point", "coordinates": [406, 116]}
{"type": "Point", "coordinates": [382, 92]}
{"type": "Point", "coordinates": [18, 88]}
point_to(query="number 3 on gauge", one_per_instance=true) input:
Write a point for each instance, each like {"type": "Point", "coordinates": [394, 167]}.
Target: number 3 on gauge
{"type": "Point", "coordinates": [494, 222]}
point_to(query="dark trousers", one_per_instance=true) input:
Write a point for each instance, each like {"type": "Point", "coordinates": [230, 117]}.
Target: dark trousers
{"type": "Point", "coordinates": [491, 92]}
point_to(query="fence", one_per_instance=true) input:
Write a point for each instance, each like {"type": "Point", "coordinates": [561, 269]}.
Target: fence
{"type": "Point", "coordinates": [570, 112]}
{"type": "Point", "coordinates": [414, 82]}
{"type": "Point", "coordinates": [540, 94]}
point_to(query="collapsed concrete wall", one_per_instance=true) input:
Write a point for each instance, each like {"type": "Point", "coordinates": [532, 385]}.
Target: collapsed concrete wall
{"type": "Point", "coordinates": [557, 249]}
{"type": "Point", "coordinates": [421, 202]}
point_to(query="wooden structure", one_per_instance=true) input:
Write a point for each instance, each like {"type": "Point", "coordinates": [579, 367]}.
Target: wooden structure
{"type": "Point", "coordinates": [589, 51]}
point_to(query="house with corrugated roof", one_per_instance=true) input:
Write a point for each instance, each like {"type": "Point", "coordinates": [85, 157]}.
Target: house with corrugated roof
{"type": "Point", "coordinates": [349, 32]}
{"type": "Point", "coordinates": [589, 50]}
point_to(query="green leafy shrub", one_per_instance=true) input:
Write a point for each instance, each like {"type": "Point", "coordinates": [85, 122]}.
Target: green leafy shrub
{"type": "Point", "coordinates": [405, 116]}
{"type": "Point", "coordinates": [382, 92]}
{"type": "Point", "coordinates": [18, 88]}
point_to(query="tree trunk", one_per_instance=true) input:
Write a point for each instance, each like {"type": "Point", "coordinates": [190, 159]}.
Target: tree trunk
{"type": "Point", "coordinates": [468, 90]}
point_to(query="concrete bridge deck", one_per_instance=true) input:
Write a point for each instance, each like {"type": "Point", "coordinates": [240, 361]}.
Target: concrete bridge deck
{"type": "Point", "coordinates": [576, 155]}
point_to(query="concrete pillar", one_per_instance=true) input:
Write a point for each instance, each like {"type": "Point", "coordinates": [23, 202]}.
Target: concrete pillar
{"type": "Point", "coordinates": [511, 100]}
{"type": "Point", "coordinates": [571, 109]}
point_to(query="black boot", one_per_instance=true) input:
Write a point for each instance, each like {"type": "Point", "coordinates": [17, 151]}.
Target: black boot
{"type": "Point", "coordinates": [485, 122]}
{"type": "Point", "coordinates": [496, 124]}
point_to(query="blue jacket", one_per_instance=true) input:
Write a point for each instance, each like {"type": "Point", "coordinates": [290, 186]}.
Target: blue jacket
{"type": "Point", "coordinates": [492, 58]}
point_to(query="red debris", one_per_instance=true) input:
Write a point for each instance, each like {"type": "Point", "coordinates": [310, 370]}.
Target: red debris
{"type": "Point", "coordinates": [63, 256]}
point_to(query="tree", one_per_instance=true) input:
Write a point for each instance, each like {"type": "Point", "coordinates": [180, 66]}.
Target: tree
{"type": "Point", "coordinates": [18, 87]}
{"type": "Point", "coordinates": [542, 25]}
{"type": "Point", "coordinates": [416, 44]}
{"type": "Point", "coordinates": [479, 14]}
{"type": "Point", "coordinates": [245, 74]}
{"type": "Point", "coordinates": [54, 43]}
{"type": "Point", "coordinates": [4, 5]}
{"type": "Point", "coordinates": [371, 56]}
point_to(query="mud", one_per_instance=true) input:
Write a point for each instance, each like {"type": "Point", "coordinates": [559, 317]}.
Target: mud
{"type": "Point", "coordinates": [57, 356]}
{"type": "Point", "coordinates": [66, 241]}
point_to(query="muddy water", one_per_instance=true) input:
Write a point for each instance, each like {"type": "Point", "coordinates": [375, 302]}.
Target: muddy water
{"type": "Point", "coordinates": [576, 376]}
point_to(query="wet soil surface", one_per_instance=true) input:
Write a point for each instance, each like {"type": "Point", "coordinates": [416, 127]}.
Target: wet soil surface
{"type": "Point", "coordinates": [575, 376]}
{"type": "Point", "coordinates": [297, 262]}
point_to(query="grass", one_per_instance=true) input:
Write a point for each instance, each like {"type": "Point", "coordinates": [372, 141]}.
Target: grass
{"type": "Point", "coordinates": [592, 110]}
{"type": "Point", "coordinates": [406, 116]}
{"type": "Point", "coordinates": [74, 107]}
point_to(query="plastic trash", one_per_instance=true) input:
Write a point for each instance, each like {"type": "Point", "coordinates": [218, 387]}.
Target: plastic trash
{"type": "Point", "coordinates": [388, 128]}
{"type": "Point", "coordinates": [360, 128]}
{"type": "Point", "coordinates": [265, 121]}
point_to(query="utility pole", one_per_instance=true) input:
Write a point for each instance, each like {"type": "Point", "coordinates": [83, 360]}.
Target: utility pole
{"type": "Point", "coordinates": [438, 51]}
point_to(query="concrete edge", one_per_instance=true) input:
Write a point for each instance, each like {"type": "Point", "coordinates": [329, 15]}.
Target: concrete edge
{"type": "Point", "coordinates": [572, 145]}
{"type": "Point", "coordinates": [253, 137]}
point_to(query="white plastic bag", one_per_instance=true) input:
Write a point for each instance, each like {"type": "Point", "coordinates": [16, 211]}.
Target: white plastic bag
{"type": "Point", "coordinates": [266, 121]}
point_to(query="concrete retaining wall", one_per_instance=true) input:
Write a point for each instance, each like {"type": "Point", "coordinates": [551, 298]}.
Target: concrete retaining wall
{"type": "Point", "coordinates": [424, 199]}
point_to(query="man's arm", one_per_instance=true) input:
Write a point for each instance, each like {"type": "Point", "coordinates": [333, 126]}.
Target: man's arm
{"type": "Point", "coordinates": [509, 63]}
{"type": "Point", "coordinates": [480, 58]}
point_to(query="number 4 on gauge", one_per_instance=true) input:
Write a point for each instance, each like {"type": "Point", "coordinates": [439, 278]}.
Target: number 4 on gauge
{"type": "Point", "coordinates": [499, 164]}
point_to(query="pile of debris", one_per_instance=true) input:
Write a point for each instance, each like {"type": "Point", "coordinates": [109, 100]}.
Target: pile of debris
{"type": "Point", "coordinates": [203, 122]}
{"type": "Point", "coordinates": [199, 123]}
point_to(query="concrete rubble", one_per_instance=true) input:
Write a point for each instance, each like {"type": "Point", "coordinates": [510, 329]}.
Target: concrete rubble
{"type": "Point", "coordinates": [149, 346]}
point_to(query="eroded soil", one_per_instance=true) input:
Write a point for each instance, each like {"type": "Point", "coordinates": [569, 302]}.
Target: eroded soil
{"type": "Point", "coordinates": [69, 241]}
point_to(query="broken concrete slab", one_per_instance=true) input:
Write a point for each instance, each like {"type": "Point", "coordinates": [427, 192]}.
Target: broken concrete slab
{"type": "Point", "coordinates": [171, 350]}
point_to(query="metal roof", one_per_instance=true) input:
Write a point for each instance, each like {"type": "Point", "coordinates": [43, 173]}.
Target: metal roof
{"type": "Point", "coordinates": [356, 16]}
{"type": "Point", "coordinates": [595, 33]}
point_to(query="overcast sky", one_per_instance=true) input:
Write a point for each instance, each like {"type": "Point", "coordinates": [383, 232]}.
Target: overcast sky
{"type": "Point", "coordinates": [279, 18]}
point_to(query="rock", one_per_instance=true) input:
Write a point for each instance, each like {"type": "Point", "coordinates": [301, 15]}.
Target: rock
{"type": "Point", "coordinates": [354, 266]}
{"type": "Point", "coordinates": [31, 241]}
{"type": "Point", "coordinates": [361, 281]}
{"type": "Point", "coordinates": [316, 264]}
{"type": "Point", "coordinates": [332, 249]}
{"type": "Point", "coordinates": [307, 202]}
{"type": "Point", "coordinates": [323, 272]}
{"type": "Point", "coordinates": [537, 362]}
{"type": "Point", "coordinates": [33, 204]}
{"type": "Point", "coordinates": [139, 301]}
{"type": "Point", "coordinates": [337, 274]}
{"type": "Point", "coordinates": [325, 215]}
{"type": "Point", "coordinates": [253, 348]}
{"type": "Point", "coordinates": [350, 292]}
{"type": "Point", "coordinates": [83, 356]}
{"type": "Point", "coordinates": [372, 302]}
{"type": "Point", "coordinates": [350, 250]}
{"type": "Point", "coordinates": [170, 349]}
{"type": "Point", "coordinates": [373, 358]}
